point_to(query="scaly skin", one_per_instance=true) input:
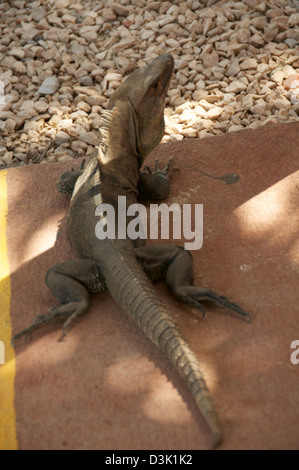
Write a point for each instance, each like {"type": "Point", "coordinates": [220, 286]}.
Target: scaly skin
{"type": "Point", "coordinates": [131, 127]}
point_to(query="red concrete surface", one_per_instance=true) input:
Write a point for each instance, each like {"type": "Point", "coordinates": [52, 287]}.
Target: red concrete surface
{"type": "Point", "coordinates": [106, 386]}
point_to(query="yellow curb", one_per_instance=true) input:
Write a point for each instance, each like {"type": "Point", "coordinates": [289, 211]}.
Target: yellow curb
{"type": "Point", "coordinates": [8, 437]}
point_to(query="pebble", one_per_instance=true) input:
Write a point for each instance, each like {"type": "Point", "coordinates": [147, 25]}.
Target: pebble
{"type": "Point", "coordinates": [291, 82]}
{"type": "Point", "coordinates": [86, 80]}
{"type": "Point", "coordinates": [214, 112]}
{"type": "Point", "coordinates": [89, 138]}
{"type": "Point", "coordinates": [62, 3]}
{"type": "Point", "coordinates": [49, 86]}
{"type": "Point", "coordinates": [89, 32]}
{"type": "Point", "coordinates": [277, 77]}
{"type": "Point", "coordinates": [236, 67]}
{"type": "Point", "coordinates": [17, 52]}
{"type": "Point", "coordinates": [41, 106]}
{"type": "Point", "coordinates": [236, 87]}
{"type": "Point", "coordinates": [293, 20]}
{"type": "Point", "coordinates": [248, 64]}
{"type": "Point", "coordinates": [27, 109]}
{"type": "Point", "coordinates": [120, 10]}
{"type": "Point", "coordinates": [61, 138]}
{"type": "Point", "coordinates": [233, 69]}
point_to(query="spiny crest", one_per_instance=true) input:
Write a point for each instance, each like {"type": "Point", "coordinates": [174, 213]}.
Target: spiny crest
{"type": "Point", "coordinates": [105, 122]}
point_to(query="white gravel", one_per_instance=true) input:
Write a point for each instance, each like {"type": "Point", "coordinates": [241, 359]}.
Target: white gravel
{"type": "Point", "coordinates": [236, 67]}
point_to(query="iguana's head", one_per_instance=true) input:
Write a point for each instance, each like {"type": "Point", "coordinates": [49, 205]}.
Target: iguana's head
{"type": "Point", "coordinates": [146, 90]}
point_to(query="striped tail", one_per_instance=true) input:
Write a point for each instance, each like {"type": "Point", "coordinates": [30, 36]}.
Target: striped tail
{"type": "Point", "coordinates": [133, 291]}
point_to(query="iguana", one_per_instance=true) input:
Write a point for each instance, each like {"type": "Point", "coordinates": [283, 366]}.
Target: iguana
{"type": "Point", "coordinates": [131, 128]}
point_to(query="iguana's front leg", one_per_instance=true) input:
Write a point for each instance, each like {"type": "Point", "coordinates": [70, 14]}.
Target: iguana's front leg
{"type": "Point", "coordinates": [66, 182]}
{"type": "Point", "coordinates": [154, 185]}
{"type": "Point", "coordinates": [175, 265]}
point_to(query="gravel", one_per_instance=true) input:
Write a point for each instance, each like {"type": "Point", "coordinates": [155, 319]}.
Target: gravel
{"type": "Point", "coordinates": [236, 67]}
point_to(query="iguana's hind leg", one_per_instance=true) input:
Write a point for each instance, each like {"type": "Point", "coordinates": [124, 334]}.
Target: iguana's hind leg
{"type": "Point", "coordinates": [71, 283]}
{"type": "Point", "coordinates": [175, 264]}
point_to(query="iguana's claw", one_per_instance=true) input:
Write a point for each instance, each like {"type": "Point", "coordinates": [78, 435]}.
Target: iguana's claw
{"type": "Point", "coordinates": [226, 303]}
{"type": "Point", "coordinates": [159, 170]}
{"type": "Point", "coordinates": [39, 321]}
{"type": "Point", "coordinates": [70, 311]}
{"type": "Point", "coordinates": [165, 170]}
{"type": "Point", "coordinates": [198, 305]}
{"type": "Point", "coordinates": [148, 169]}
{"type": "Point", "coordinates": [195, 295]}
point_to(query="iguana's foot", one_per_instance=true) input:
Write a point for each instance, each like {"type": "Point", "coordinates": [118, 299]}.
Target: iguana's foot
{"type": "Point", "coordinates": [195, 295]}
{"type": "Point", "coordinates": [154, 185]}
{"type": "Point", "coordinates": [71, 310]}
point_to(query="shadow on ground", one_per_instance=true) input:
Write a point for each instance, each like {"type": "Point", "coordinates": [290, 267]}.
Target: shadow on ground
{"type": "Point", "coordinates": [106, 386]}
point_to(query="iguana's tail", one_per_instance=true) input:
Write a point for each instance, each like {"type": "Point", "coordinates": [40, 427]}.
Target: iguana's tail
{"type": "Point", "coordinates": [133, 291]}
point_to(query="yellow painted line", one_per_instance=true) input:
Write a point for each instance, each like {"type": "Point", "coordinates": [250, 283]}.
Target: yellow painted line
{"type": "Point", "coordinates": [8, 437]}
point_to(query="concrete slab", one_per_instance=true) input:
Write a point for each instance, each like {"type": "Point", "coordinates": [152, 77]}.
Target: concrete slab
{"type": "Point", "coordinates": [106, 386]}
